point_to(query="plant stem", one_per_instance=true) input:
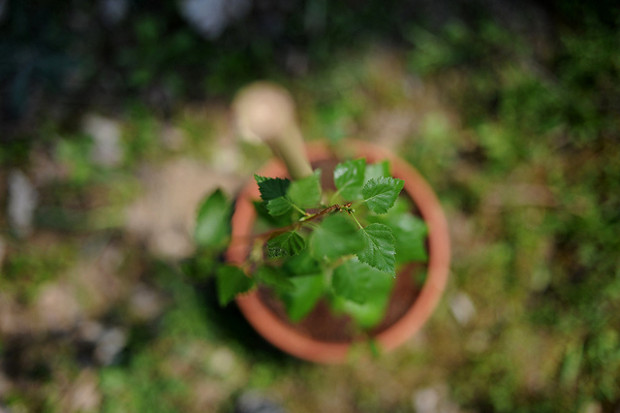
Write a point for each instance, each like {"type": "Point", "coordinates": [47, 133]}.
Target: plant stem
{"type": "Point", "coordinates": [304, 213]}
{"type": "Point", "coordinates": [267, 111]}
{"type": "Point", "coordinates": [304, 220]}
{"type": "Point", "coordinates": [356, 221]}
{"type": "Point", "coordinates": [290, 148]}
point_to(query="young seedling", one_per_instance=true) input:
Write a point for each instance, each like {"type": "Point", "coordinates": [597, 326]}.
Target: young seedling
{"type": "Point", "coordinates": [343, 245]}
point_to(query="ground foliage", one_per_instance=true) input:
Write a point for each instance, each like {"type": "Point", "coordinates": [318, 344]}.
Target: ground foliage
{"type": "Point", "coordinates": [523, 152]}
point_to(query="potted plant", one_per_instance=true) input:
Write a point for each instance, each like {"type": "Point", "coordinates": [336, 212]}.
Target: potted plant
{"type": "Point", "coordinates": [330, 249]}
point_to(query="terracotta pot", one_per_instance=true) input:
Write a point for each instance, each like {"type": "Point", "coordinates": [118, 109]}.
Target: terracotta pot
{"type": "Point", "coordinates": [285, 335]}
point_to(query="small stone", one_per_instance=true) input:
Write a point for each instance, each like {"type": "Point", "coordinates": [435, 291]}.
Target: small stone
{"type": "Point", "coordinates": [110, 344]}
{"type": "Point", "coordinates": [210, 17]}
{"type": "Point", "coordinates": [145, 304]}
{"type": "Point", "coordinates": [23, 199]}
{"type": "Point", "coordinates": [222, 361]}
{"type": "Point", "coordinates": [84, 394]}
{"type": "Point", "coordinates": [106, 136]}
{"type": "Point", "coordinates": [426, 400]}
{"type": "Point", "coordinates": [113, 11]}
{"type": "Point", "coordinates": [90, 331]}
{"type": "Point", "coordinates": [462, 308]}
{"type": "Point", "coordinates": [592, 407]}
{"type": "Point", "coordinates": [434, 399]}
{"type": "Point", "coordinates": [56, 308]}
{"type": "Point", "coordinates": [254, 402]}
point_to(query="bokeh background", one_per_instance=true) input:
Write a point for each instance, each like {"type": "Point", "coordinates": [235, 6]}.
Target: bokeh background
{"type": "Point", "coordinates": [115, 122]}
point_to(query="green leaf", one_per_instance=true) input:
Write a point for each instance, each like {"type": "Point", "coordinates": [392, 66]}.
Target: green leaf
{"type": "Point", "coordinates": [410, 237]}
{"type": "Point", "coordinates": [279, 206]}
{"type": "Point", "coordinates": [357, 281]}
{"type": "Point", "coordinates": [271, 188]}
{"type": "Point", "coordinates": [377, 170]}
{"type": "Point", "coordinates": [213, 221]}
{"type": "Point", "coordinates": [231, 281]}
{"type": "Point", "coordinates": [274, 221]}
{"type": "Point", "coordinates": [307, 291]}
{"type": "Point", "coordinates": [370, 313]}
{"type": "Point", "coordinates": [368, 290]}
{"type": "Point", "coordinates": [284, 245]}
{"type": "Point", "coordinates": [306, 192]}
{"type": "Point", "coordinates": [379, 251]}
{"type": "Point", "coordinates": [336, 236]}
{"type": "Point", "coordinates": [199, 267]}
{"type": "Point", "coordinates": [349, 178]}
{"type": "Point", "coordinates": [410, 231]}
{"type": "Point", "coordinates": [273, 277]}
{"type": "Point", "coordinates": [380, 193]}
{"type": "Point", "coordinates": [302, 264]}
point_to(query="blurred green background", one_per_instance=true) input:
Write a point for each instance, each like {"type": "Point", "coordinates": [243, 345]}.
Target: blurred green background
{"type": "Point", "coordinates": [115, 122]}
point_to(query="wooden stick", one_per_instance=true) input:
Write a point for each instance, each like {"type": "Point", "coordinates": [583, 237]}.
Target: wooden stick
{"type": "Point", "coordinates": [266, 111]}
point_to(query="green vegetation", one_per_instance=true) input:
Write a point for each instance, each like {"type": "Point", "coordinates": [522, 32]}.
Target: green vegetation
{"type": "Point", "coordinates": [344, 243]}
{"type": "Point", "coordinates": [516, 129]}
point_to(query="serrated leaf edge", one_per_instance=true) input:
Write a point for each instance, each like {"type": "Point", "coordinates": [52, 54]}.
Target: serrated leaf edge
{"type": "Point", "coordinates": [393, 271]}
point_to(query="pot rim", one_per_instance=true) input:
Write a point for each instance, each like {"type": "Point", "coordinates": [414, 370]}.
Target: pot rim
{"type": "Point", "coordinates": [285, 337]}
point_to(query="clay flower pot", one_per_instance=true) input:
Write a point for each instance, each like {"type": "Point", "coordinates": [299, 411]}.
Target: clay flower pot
{"type": "Point", "coordinates": [420, 302]}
